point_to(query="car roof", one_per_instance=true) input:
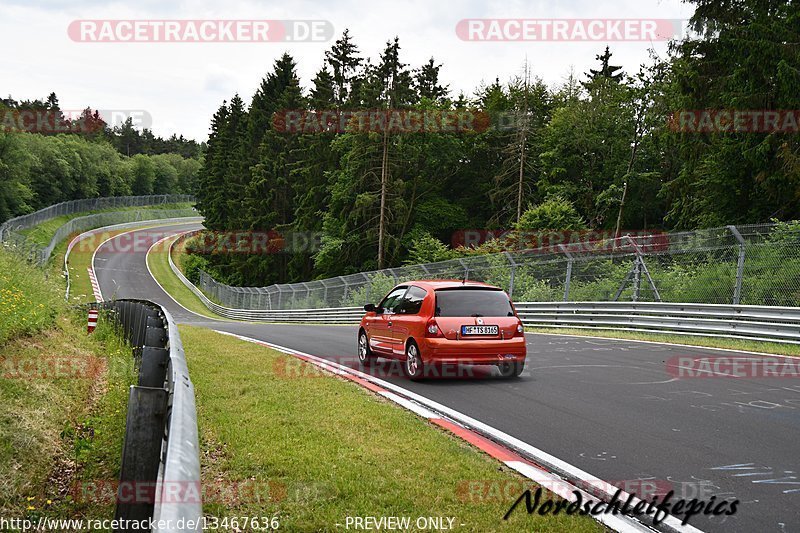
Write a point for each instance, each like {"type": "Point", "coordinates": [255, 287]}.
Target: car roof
{"type": "Point", "coordinates": [435, 284]}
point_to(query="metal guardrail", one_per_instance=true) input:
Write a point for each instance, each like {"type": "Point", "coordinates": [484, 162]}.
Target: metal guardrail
{"type": "Point", "coordinates": [88, 204]}
{"type": "Point", "coordinates": [39, 255]}
{"type": "Point", "coordinates": [750, 322]}
{"type": "Point", "coordinates": [161, 447]}
{"type": "Point", "coordinates": [337, 315]}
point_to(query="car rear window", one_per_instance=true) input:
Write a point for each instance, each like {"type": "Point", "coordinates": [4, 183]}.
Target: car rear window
{"type": "Point", "coordinates": [472, 302]}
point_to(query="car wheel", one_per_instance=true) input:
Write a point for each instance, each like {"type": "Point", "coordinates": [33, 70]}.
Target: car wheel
{"type": "Point", "coordinates": [365, 355]}
{"type": "Point", "coordinates": [414, 366]}
{"type": "Point", "coordinates": [511, 370]}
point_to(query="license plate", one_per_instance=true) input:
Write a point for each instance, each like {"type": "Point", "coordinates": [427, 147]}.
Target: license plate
{"type": "Point", "coordinates": [479, 330]}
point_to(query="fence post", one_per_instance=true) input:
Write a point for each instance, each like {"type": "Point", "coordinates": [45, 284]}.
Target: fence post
{"type": "Point", "coordinates": [512, 274]}
{"type": "Point", "coordinates": [568, 278]}
{"type": "Point", "coordinates": [466, 269]}
{"type": "Point", "coordinates": [737, 289]}
{"type": "Point", "coordinates": [346, 286]}
{"type": "Point", "coordinates": [325, 292]}
{"type": "Point", "coordinates": [366, 287]}
{"type": "Point", "coordinates": [637, 276]}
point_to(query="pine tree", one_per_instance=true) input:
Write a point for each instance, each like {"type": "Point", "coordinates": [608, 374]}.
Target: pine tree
{"type": "Point", "coordinates": [606, 70]}
{"type": "Point", "coordinates": [344, 59]}
{"type": "Point", "coordinates": [427, 82]}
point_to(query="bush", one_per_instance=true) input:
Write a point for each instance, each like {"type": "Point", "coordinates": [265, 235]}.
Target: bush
{"type": "Point", "coordinates": [556, 213]}
{"type": "Point", "coordinates": [192, 264]}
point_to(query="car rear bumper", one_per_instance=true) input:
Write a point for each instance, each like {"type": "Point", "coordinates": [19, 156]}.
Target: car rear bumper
{"type": "Point", "coordinates": [473, 351]}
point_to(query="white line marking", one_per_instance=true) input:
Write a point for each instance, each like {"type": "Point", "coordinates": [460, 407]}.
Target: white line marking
{"type": "Point", "coordinates": [663, 343]}
{"type": "Point", "coordinates": [539, 456]}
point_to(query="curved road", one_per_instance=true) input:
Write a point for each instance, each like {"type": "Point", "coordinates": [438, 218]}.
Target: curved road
{"type": "Point", "coordinates": [606, 406]}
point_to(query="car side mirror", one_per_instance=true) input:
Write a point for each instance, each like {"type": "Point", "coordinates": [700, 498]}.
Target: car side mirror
{"type": "Point", "coordinates": [370, 308]}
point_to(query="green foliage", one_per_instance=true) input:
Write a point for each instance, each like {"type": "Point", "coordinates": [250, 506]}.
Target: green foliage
{"type": "Point", "coordinates": [555, 213]}
{"type": "Point", "coordinates": [41, 170]}
{"type": "Point", "coordinates": [192, 265]}
{"type": "Point", "coordinates": [595, 152]}
{"type": "Point", "coordinates": [373, 291]}
{"type": "Point", "coordinates": [428, 249]}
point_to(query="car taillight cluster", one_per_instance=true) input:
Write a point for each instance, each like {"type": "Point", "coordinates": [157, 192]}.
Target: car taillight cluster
{"type": "Point", "coordinates": [520, 330]}
{"type": "Point", "coordinates": [432, 329]}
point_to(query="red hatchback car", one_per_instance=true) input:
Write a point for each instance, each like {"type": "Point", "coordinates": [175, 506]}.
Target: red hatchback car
{"type": "Point", "coordinates": [427, 323]}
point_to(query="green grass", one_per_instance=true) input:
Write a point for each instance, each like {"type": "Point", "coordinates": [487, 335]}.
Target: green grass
{"type": "Point", "coordinates": [29, 298]}
{"type": "Point", "coordinates": [42, 233]}
{"type": "Point", "coordinates": [317, 449]}
{"type": "Point", "coordinates": [63, 396]}
{"type": "Point", "coordinates": [158, 261]}
{"type": "Point", "coordinates": [711, 342]}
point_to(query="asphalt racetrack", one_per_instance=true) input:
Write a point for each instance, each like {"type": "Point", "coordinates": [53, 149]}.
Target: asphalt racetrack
{"type": "Point", "coordinates": [609, 407]}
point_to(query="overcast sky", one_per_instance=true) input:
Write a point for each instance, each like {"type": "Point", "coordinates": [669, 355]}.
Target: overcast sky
{"type": "Point", "coordinates": [180, 85]}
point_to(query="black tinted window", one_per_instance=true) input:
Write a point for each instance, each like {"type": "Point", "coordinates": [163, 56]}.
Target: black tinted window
{"type": "Point", "coordinates": [472, 302]}
{"type": "Point", "coordinates": [412, 301]}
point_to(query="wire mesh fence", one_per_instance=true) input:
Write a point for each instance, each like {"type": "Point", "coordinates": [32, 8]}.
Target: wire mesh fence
{"type": "Point", "coordinates": [12, 231]}
{"type": "Point", "coordinates": [751, 265]}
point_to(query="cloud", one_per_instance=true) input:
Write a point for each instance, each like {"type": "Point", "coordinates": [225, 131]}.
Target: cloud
{"type": "Point", "coordinates": [182, 84]}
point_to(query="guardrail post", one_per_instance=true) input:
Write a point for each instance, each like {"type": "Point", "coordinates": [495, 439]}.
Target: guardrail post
{"type": "Point", "coordinates": [568, 278]}
{"type": "Point", "coordinates": [737, 289]}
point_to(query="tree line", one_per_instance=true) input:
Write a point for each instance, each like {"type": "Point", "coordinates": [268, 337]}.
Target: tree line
{"type": "Point", "coordinates": [600, 150]}
{"type": "Point", "coordinates": [82, 157]}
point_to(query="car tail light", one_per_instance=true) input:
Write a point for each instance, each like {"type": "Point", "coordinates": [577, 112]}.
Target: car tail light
{"type": "Point", "coordinates": [432, 329]}
{"type": "Point", "coordinates": [520, 330]}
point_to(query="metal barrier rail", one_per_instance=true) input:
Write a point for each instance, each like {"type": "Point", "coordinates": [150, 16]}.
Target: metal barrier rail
{"type": "Point", "coordinates": [39, 255]}
{"type": "Point", "coordinates": [88, 204]}
{"type": "Point", "coordinates": [337, 315]}
{"type": "Point", "coordinates": [751, 322]}
{"type": "Point", "coordinates": [161, 447]}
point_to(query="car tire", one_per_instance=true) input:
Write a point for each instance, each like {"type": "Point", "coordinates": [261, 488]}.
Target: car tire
{"type": "Point", "coordinates": [414, 366]}
{"type": "Point", "coordinates": [511, 370]}
{"type": "Point", "coordinates": [365, 355]}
